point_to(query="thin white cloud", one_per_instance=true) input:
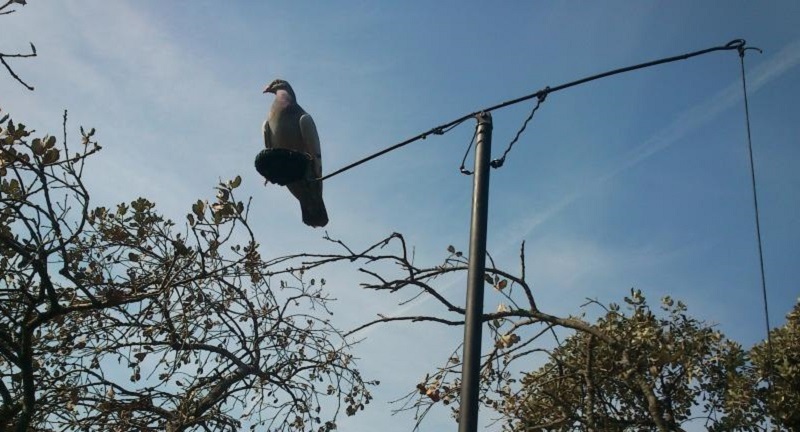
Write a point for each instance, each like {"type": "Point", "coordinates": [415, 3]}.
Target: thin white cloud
{"type": "Point", "coordinates": [688, 121]}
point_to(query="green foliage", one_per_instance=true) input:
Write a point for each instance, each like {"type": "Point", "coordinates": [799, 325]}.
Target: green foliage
{"type": "Point", "coordinates": [117, 318]}
{"type": "Point", "coordinates": [782, 396]}
{"type": "Point", "coordinates": [651, 375]}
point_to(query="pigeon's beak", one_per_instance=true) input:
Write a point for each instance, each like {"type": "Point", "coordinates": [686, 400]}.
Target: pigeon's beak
{"type": "Point", "coordinates": [268, 89]}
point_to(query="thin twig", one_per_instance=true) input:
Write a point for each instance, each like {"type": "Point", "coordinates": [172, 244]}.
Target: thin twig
{"type": "Point", "coordinates": [405, 318]}
{"type": "Point", "coordinates": [3, 57]}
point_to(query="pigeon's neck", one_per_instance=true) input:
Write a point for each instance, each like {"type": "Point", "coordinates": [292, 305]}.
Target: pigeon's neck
{"type": "Point", "coordinates": [284, 98]}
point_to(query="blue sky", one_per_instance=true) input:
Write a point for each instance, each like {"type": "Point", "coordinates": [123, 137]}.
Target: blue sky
{"type": "Point", "coordinates": [638, 180]}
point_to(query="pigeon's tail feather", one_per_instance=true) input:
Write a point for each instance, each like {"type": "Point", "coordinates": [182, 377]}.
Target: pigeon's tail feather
{"type": "Point", "coordinates": [314, 213]}
{"type": "Point", "coordinates": [309, 193]}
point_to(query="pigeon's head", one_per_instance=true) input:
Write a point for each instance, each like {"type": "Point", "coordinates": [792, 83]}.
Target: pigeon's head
{"type": "Point", "coordinates": [279, 84]}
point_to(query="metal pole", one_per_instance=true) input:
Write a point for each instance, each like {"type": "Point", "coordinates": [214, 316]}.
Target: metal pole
{"type": "Point", "coordinates": [470, 373]}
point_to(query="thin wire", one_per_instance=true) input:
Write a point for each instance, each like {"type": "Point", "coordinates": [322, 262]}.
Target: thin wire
{"type": "Point", "coordinates": [758, 221]}
{"type": "Point", "coordinates": [440, 130]}
{"type": "Point", "coordinates": [463, 168]}
{"type": "Point", "coordinates": [497, 163]}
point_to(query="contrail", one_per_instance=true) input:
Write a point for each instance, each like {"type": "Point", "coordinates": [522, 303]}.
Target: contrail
{"type": "Point", "coordinates": [686, 122]}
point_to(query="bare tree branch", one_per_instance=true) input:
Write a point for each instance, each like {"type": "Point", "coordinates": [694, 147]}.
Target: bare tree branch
{"type": "Point", "coordinates": [5, 56]}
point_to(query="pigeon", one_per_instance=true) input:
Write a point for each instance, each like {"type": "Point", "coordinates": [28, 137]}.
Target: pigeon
{"type": "Point", "coordinates": [289, 127]}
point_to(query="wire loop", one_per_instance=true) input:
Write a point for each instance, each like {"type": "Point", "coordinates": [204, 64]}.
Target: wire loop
{"type": "Point", "coordinates": [540, 97]}
{"type": "Point", "coordinates": [463, 168]}
{"type": "Point", "coordinates": [736, 44]}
